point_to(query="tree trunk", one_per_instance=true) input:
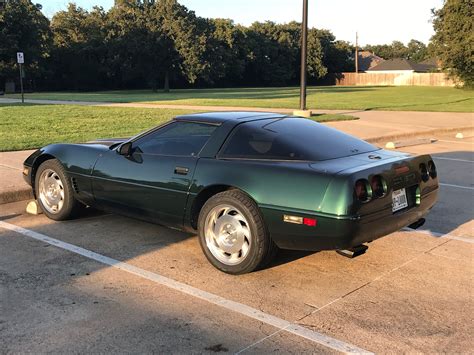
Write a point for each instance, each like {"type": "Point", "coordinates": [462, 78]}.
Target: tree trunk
{"type": "Point", "coordinates": [167, 82]}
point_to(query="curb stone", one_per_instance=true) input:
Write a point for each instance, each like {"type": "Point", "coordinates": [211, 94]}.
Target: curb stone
{"type": "Point", "coordinates": [15, 195]}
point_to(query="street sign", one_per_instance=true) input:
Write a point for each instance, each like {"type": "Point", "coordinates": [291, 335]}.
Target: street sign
{"type": "Point", "coordinates": [20, 58]}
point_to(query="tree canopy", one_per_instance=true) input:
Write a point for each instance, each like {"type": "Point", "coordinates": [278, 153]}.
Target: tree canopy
{"type": "Point", "coordinates": [415, 50]}
{"type": "Point", "coordinates": [23, 28]}
{"type": "Point", "coordinates": [453, 41]}
{"type": "Point", "coordinates": [151, 43]}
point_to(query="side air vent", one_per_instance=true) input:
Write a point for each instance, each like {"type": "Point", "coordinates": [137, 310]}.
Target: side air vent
{"type": "Point", "coordinates": [74, 185]}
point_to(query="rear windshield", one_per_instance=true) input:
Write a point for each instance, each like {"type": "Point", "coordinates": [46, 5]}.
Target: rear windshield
{"type": "Point", "coordinates": [291, 139]}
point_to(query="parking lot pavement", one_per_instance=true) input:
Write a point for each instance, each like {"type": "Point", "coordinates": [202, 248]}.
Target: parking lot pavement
{"type": "Point", "coordinates": [60, 302]}
{"type": "Point", "coordinates": [454, 159]}
{"type": "Point", "coordinates": [411, 291]}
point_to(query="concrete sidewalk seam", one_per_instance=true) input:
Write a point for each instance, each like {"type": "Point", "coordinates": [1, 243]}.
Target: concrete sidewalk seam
{"type": "Point", "coordinates": [9, 167]}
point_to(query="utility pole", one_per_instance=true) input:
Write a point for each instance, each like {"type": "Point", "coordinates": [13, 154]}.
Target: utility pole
{"type": "Point", "coordinates": [304, 55]}
{"type": "Point", "coordinates": [357, 54]}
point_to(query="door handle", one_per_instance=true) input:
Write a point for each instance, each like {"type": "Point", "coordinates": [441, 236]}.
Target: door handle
{"type": "Point", "coordinates": [180, 170]}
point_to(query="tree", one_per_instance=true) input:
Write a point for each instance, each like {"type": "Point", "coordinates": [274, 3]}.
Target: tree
{"type": "Point", "coordinates": [273, 52]}
{"type": "Point", "coordinates": [79, 53]}
{"type": "Point", "coordinates": [453, 42]}
{"type": "Point", "coordinates": [388, 51]}
{"type": "Point", "coordinates": [138, 51]}
{"type": "Point", "coordinates": [329, 55]}
{"type": "Point", "coordinates": [416, 51]}
{"type": "Point", "coordinates": [187, 35]}
{"type": "Point", "coordinates": [226, 52]}
{"type": "Point", "coordinates": [319, 44]}
{"type": "Point", "coordinates": [23, 28]}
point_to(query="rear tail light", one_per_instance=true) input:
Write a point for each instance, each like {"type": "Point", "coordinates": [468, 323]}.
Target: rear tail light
{"type": "Point", "coordinates": [363, 190]}
{"type": "Point", "coordinates": [424, 172]}
{"type": "Point", "coordinates": [432, 169]}
{"type": "Point", "coordinates": [379, 186]}
{"type": "Point", "coordinates": [311, 222]}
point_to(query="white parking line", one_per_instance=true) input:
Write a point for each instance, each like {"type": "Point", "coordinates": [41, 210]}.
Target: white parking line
{"type": "Point", "coordinates": [454, 159]}
{"type": "Point", "coordinates": [281, 324]}
{"type": "Point", "coordinates": [457, 186]}
{"type": "Point", "coordinates": [439, 235]}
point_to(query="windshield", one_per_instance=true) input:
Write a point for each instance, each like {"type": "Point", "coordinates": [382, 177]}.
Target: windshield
{"type": "Point", "coordinates": [291, 139]}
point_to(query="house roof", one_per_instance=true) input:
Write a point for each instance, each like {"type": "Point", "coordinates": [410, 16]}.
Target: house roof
{"type": "Point", "coordinates": [368, 60]}
{"type": "Point", "coordinates": [432, 63]}
{"type": "Point", "coordinates": [394, 64]}
{"type": "Point", "coordinates": [402, 64]}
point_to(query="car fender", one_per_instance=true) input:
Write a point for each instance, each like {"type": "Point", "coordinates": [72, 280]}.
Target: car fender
{"type": "Point", "coordinates": [77, 159]}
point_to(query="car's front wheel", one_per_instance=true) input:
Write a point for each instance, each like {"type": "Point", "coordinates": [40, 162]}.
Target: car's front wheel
{"type": "Point", "coordinates": [232, 233]}
{"type": "Point", "coordinates": [54, 191]}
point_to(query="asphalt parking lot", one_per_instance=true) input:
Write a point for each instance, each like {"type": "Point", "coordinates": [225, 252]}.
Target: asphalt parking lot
{"type": "Point", "coordinates": [105, 283]}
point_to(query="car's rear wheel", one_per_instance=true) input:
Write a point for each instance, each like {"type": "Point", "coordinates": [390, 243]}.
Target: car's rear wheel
{"type": "Point", "coordinates": [232, 233]}
{"type": "Point", "coordinates": [54, 191]}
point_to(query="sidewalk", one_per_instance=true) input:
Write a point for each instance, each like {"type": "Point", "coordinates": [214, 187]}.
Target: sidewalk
{"type": "Point", "coordinates": [12, 186]}
{"type": "Point", "coordinates": [374, 126]}
{"type": "Point", "coordinates": [377, 126]}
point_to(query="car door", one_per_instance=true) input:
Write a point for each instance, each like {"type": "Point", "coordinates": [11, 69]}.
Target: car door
{"type": "Point", "coordinates": [153, 181]}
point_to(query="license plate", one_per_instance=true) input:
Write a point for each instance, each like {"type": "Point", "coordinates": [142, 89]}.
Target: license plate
{"type": "Point", "coordinates": [399, 200]}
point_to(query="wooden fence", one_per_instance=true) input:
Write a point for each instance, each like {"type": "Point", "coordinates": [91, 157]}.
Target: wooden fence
{"type": "Point", "coordinates": [396, 79]}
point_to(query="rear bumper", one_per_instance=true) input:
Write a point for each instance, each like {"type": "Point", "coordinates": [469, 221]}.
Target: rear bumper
{"type": "Point", "coordinates": [333, 232]}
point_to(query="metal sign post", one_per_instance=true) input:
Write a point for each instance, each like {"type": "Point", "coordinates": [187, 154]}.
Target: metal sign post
{"type": "Point", "coordinates": [304, 55]}
{"type": "Point", "coordinates": [20, 58]}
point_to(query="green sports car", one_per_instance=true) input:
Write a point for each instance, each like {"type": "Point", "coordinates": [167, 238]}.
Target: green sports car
{"type": "Point", "coordinates": [247, 182]}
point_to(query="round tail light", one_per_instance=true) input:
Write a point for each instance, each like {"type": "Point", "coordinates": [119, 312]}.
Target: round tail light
{"type": "Point", "coordinates": [363, 190]}
{"type": "Point", "coordinates": [379, 186]}
{"type": "Point", "coordinates": [432, 169]}
{"type": "Point", "coordinates": [424, 172]}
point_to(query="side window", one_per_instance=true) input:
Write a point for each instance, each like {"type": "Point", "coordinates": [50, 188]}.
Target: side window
{"type": "Point", "coordinates": [255, 141]}
{"type": "Point", "coordinates": [291, 139]}
{"type": "Point", "coordinates": [177, 138]}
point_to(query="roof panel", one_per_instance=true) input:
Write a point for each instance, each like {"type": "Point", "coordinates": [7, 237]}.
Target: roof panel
{"type": "Point", "coordinates": [219, 117]}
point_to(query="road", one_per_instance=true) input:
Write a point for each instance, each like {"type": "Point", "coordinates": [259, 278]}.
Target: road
{"type": "Point", "coordinates": [138, 287]}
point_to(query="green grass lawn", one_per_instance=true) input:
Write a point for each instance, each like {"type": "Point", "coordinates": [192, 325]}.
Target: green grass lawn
{"type": "Point", "coordinates": [26, 126]}
{"type": "Point", "coordinates": [403, 98]}
{"type": "Point", "coordinates": [33, 126]}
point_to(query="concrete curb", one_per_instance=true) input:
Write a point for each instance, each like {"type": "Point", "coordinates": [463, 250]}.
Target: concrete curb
{"type": "Point", "coordinates": [391, 137]}
{"type": "Point", "coordinates": [15, 195]}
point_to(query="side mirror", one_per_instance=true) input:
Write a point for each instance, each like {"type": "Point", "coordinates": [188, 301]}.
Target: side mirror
{"type": "Point", "coordinates": [125, 149]}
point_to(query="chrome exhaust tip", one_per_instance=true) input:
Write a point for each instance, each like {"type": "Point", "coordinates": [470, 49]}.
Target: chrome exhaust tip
{"type": "Point", "coordinates": [353, 252]}
{"type": "Point", "coordinates": [417, 224]}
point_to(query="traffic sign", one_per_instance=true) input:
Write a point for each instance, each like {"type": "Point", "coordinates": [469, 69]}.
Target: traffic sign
{"type": "Point", "coordinates": [20, 58]}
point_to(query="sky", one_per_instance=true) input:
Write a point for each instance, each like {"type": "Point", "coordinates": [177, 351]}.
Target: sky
{"type": "Point", "coordinates": [376, 21]}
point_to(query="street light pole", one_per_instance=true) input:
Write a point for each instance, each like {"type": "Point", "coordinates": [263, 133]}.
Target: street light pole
{"type": "Point", "coordinates": [304, 55]}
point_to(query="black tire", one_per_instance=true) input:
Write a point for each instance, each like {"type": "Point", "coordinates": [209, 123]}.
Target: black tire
{"type": "Point", "coordinates": [261, 250]}
{"type": "Point", "coordinates": [70, 206]}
